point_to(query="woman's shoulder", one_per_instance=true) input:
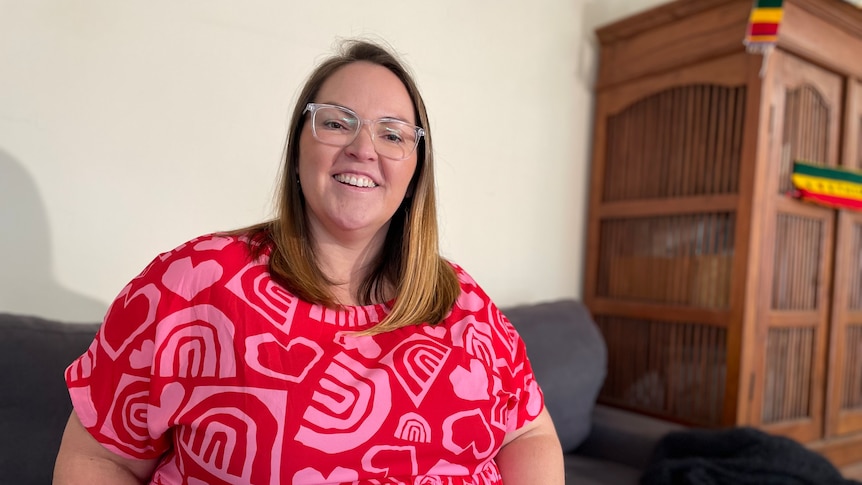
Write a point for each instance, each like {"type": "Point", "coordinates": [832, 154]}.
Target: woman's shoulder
{"type": "Point", "coordinates": [475, 320]}
{"type": "Point", "coordinates": [465, 280]}
{"type": "Point", "coordinates": [472, 299]}
{"type": "Point", "coordinates": [214, 252]}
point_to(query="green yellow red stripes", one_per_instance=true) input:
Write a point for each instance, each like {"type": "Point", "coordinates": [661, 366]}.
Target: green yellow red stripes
{"type": "Point", "coordinates": [831, 201]}
{"type": "Point", "coordinates": [829, 186]}
{"type": "Point", "coordinates": [763, 24]}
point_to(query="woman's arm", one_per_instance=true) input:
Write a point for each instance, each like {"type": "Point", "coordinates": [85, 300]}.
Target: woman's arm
{"type": "Point", "coordinates": [83, 460]}
{"type": "Point", "coordinates": [532, 454]}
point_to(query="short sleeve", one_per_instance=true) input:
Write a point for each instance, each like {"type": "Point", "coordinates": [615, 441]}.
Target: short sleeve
{"type": "Point", "coordinates": [488, 335]}
{"type": "Point", "coordinates": [110, 384]}
{"type": "Point", "coordinates": [127, 388]}
{"type": "Point", "coordinates": [526, 400]}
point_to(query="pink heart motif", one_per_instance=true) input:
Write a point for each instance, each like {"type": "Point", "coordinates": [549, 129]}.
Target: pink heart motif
{"type": "Point", "coordinates": [438, 331]}
{"type": "Point", "coordinates": [143, 357]}
{"type": "Point", "coordinates": [304, 354]}
{"type": "Point", "coordinates": [391, 460]}
{"type": "Point", "coordinates": [311, 476]}
{"type": "Point", "coordinates": [472, 384]}
{"type": "Point", "coordinates": [170, 400]}
{"type": "Point", "coordinates": [468, 430]}
{"type": "Point", "coordinates": [470, 301]}
{"type": "Point", "coordinates": [137, 310]}
{"type": "Point", "coordinates": [188, 280]}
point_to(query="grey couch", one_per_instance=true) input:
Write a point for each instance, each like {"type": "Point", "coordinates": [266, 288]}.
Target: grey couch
{"type": "Point", "coordinates": [603, 445]}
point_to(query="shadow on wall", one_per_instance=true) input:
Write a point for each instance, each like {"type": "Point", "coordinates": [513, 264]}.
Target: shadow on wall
{"type": "Point", "coordinates": [27, 284]}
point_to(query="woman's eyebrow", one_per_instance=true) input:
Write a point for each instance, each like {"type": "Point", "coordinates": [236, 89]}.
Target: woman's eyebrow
{"type": "Point", "coordinates": [386, 117]}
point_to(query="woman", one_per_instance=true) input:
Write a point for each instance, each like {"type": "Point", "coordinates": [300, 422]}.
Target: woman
{"type": "Point", "coordinates": [330, 345]}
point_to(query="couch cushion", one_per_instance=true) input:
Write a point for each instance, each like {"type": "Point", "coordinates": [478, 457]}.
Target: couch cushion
{"type": "Point", "coordinates": [626, 436]}
{"type": "Point", "coordinates": [34, 402]}
{"type": "Point", "coordinates": [590, 471]}
{"type": "Point", "coordinates": [569, 358]}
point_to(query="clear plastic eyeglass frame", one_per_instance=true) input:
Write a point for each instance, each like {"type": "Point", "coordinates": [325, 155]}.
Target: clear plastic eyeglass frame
{"type": "Point", "coordinates": [392, 151]}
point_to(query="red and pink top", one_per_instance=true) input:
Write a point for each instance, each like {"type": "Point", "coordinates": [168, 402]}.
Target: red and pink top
{"type": "Point", "coordinates": [205, 361]}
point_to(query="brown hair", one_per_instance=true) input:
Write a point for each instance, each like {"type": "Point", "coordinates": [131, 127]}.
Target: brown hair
{"type": "Point", "coordinates": [425, 284]}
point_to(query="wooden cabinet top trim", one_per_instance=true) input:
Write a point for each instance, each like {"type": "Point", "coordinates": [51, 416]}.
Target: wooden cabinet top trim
{"type": "Point", "coordinates": [836, 12]}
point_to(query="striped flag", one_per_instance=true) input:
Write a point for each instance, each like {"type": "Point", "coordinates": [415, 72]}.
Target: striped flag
{"type": "Point", "coordinates": [829, 186]}
{"type": "Point", "coordinates": [762, 32]}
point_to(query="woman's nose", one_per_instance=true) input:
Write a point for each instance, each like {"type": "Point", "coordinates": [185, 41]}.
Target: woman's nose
{"type": "Point", "coordinates": [362, 147]}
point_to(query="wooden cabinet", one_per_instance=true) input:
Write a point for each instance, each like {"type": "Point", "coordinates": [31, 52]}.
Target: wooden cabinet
{"type": "Point", "coordinates": [723, 300]}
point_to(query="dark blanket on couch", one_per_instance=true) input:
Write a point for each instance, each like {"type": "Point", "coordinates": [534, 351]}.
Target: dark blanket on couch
{"type": "Point", "coordinates": [737, 456]}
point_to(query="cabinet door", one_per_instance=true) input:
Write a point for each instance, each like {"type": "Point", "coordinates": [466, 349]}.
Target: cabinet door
{"type": "Point", "coordinates": [844, 398]}
{"type": "Point", "coordinates": [665, 190]}
{"type": "Point", "coordinates": [795, 253]}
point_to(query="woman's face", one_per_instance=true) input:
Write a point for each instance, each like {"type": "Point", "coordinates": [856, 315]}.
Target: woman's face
{"type": "Point", "coordinates": [351, 192]}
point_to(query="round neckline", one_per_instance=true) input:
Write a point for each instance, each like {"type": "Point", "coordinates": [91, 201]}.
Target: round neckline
{"type": "Point", "coordinates": [350, 317]}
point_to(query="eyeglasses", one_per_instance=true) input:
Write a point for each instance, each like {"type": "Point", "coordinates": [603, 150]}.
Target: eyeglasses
{"type": "Point", "coordinates": [338, 126]}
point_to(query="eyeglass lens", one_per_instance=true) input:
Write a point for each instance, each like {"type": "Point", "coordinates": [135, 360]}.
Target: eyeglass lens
{"type": "Point", "coordinates": [392, 138]}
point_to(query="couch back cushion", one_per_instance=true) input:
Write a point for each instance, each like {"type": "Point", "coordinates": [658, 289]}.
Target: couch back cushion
{"type": "Point", "coordinates": [34, 402]}
{"type": "Point", "coordinates": [569, 359]}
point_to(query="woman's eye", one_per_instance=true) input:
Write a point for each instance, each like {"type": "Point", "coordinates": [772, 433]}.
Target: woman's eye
{"type": "Point", "coordinates": [334, 125]}
{"type": "Point", "coordinates": [390, 134]}
{"type": "Point", "coordinates": [394, 138]}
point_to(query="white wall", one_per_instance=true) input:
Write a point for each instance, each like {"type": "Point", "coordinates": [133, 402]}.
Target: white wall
{"type": "Point", "coordinates": [129, 126]}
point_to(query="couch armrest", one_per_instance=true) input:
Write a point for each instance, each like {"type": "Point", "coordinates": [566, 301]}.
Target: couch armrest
{"type": "Point", "coordinates": [569, 359]}
{"type": "Point", "coordinates": [623, 436]}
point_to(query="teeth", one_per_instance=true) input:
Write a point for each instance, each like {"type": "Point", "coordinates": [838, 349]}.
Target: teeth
{"type": "Point", "coordinates": [355, 181]}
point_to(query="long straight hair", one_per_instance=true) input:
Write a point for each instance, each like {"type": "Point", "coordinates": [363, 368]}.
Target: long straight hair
{"type": "Point", "coordinates": [425, 284]}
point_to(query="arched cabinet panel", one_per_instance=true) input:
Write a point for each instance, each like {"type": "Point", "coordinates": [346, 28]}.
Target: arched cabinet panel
{"type": "Point", "coordinates": [680, 142]}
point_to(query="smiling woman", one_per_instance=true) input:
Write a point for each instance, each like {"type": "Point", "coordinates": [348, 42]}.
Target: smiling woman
{"type": "Point", "coordinates": [332, 344]}
{"type": "Point", "coordinates": [346, 216]}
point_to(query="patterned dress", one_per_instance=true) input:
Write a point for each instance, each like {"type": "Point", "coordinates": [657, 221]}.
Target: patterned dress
{"type": "Point", "coordinates": [203, 360]}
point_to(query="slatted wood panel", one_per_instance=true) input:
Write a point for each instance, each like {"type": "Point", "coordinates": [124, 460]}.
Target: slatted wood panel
{"type": "Point", "coordinates": [681, 259]}
{"type": "Point", "coordinates": [806, 131]}
{"type": "Point", "coordinates": [854, 262]}
{"type": "Point", "coordinates": [798, 258]}
{"type": "Point", "coordinates": [787, 386]}
{"type": "Point", "coordinates": [851, 387]}
{"type": "Point", "coordinates": [684, 141]}
{"type": "Point", "coordinates": [667, 368]}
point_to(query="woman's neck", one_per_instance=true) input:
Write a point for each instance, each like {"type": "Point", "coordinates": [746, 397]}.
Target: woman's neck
{"type": "Point", "coordinates": [348, 265]}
